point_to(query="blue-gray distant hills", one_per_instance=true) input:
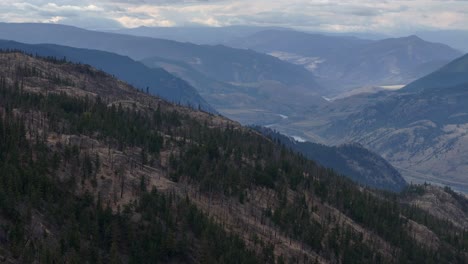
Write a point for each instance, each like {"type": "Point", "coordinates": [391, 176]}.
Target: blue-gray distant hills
{"type": "Point", "coordinates": [158, 81]}
{"type": "Point", "coordinates": [343, 63]}
{"type": "Point", "coordinates": [227, 64]}
{"type": "Point", "coordinates": [197, 35]}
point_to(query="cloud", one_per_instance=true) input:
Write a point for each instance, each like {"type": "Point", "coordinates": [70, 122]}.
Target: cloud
{"type": "Point", "coordinates": [328, 15]}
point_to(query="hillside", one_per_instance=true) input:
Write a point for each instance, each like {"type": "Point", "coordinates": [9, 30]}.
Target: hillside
{"type": "Point", "coordinates": [94, 170]}
{"type": "Point", "coordinates": [156, 81]}
{"type": "Point", "coordinates": [351, 160]}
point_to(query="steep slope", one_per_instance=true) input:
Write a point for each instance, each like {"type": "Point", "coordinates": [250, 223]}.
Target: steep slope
{"type": "Point", "coordinates": [452, 74]}
{"type": "Point", "coordinates": [351, 160]}
{"type": "Point", "coordinates": [155, 81]}
{"type": "Point", "coordinates": [81, 150]}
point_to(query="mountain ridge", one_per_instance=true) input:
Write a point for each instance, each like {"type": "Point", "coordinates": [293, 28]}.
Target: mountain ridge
{"type": "Point", "coordinates": [343, 63]}
{"type": "Point", "coordinates": [155, 81]}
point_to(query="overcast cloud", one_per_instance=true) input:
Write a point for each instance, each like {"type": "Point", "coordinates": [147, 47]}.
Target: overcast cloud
{"type": "Point", "coordinates": [323, 15]}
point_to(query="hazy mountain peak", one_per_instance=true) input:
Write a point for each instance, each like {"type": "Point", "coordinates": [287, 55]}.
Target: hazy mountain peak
{"type": "Point", "coordinates": [412, 38]}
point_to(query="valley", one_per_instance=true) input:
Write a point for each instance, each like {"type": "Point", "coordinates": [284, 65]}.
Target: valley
{"type": "Point", "coordinates": [423, 134]}
{"type": "Point", "coordinates": [318, 118]}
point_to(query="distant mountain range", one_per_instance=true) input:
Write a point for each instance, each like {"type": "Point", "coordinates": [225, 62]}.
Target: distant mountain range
{"type": "Point", "coordinates": [197, 35]}
{"type": "Point", "coordinates": [351, 160]}
{"type": "Point", "coordinates": [158, 81]}
{"type": "Point", "coordinates": [457, 39]}
{"type": "Point", "coordinates": [227, 64]}
{"type": "Point", "coordinates": [300, 43]}
{"type": "Point", "coordinates": [343, 63]}
{"type": "Point", "coordinates": [260, 87]}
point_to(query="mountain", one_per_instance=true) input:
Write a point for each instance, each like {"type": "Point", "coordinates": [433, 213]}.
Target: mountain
{"type": "Point", "coordinates": [261, 102]}
{"type": "Point", "coordinates": [240, 66]}
{"type": "Point", "coordinates": [452, 74]}
{"type": "Point", "coordinates": [342, 63]}
{"type": "Point", "coordinates": [421, 129]}
{"type": "Point", "coordinates": [94, 170]}
{"type": "Point", "coordinates": [392, 61]}
{"type": "Point", "coordinates": [227, 64]}
{"type": "Point", "coordinates": [298, 43]}
{"type": "Point", "coordinates": [352, 160]}
{"type": "Point", "coordinates": [158, 81]}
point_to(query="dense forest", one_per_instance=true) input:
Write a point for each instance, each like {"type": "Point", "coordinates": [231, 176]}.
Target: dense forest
{"type": "Point", "coordinates": [53, 208]}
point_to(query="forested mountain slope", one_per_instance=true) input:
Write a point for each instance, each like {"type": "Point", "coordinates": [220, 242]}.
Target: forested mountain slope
{"type": "Point", "coordinates": [352, 160]}
{"type": "Point", "coordinates": [93, 170]}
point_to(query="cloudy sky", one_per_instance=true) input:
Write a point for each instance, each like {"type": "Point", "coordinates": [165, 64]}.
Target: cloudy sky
{"type": "Point", "coordinates": [323, 15]}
